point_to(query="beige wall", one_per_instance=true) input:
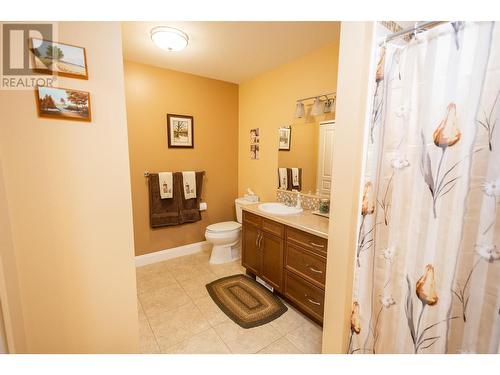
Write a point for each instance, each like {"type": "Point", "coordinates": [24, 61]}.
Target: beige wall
{"type": "Point", "coordinates": [268, 102]}
{"type": "Point", "coordinates": [348, 143]}
{"type": "Point", "coordinates": [10, 296]}
{"type": "Point", "coordinates": [153, 92]}
{"type": "Point", "coordinates": [67, 192]}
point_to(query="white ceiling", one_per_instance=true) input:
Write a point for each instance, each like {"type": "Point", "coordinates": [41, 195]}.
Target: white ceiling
{"type": "Point", "coordinates": [229, 51]}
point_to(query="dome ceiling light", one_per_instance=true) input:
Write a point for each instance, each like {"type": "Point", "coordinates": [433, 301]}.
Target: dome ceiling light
{"type": "Point", "coordinates": [169, 39]}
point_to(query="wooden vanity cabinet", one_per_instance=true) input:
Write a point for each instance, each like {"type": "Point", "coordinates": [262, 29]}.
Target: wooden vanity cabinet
{"type": "Point", "coordinates": [292, 261]}
{"type": "Point", "coordinates": [251, 256]}
{"type": "Point", "coordinates": [263, 249]}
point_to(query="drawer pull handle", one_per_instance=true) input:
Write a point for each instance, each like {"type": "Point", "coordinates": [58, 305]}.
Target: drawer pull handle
{"type": "Point", "coordinates": [313, 301]}
{"type": "Point", "coordinates": [311, 268]}
{"type": "Point", "coordinates": [317, 245]}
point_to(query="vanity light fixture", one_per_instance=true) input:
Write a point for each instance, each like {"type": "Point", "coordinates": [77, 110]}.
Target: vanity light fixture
{"type": "Point", "coordinates": [317, 107]}
{"type": "Point", "coordinates": [329, 104]}
{"type": "Point", "coordinates": [169, 39]}
{"type": "Point", "coordinates": [299, 110]}
{"type": "Point", "coordinates": [323, 103]}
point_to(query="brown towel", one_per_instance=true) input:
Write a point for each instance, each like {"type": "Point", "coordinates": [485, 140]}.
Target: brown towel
{"type": "Point", "coordinates": [290, 179]}
{"type": "Point", "coordinates": [163, 212]}
{"type": "Point", "coordinates": [189, 209]}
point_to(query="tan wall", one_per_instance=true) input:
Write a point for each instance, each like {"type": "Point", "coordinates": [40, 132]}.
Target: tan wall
{"type": "Point", "coordinates": [10, 296]}
{"type": "Point", "coordinates": [348, 142]}
{"type": "Point", "coordinates": [303, 153]}
{"type": "Point", "coordinates": [268, 102]}
{"type": "Point", "coordinates": [69, 209]}
{"type": "Point", "coordinates": [153, 92]}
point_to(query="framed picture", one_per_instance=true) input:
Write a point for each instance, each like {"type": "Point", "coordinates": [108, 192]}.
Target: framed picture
{"type": "Point", "coordinates": [285, 134]}
{"type": "Point", "coordinates": [254, 152]}
{"type": "Point", "coordinates": [50, 57]}
{"type": "Point", "coordinates": [180, 131]}
{"type": "Point", "coordinates": [64, 104]}
{"type": "Point", "coordinates": [254, 136]}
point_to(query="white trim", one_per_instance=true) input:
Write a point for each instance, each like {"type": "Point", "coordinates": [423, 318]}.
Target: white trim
{"type": "Point", "coordinates": [175, 252]}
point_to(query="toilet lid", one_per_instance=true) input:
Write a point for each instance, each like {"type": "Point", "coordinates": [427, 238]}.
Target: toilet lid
{"type": "Point", "coordinates": [224, 226]}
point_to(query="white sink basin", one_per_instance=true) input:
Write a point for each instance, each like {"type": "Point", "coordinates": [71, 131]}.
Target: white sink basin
{"type": "Point", "coordinates": [279, 209]}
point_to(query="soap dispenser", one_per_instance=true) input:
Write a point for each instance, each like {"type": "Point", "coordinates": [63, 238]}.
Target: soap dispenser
{"type": "Point", "coordinates": [299, 203]}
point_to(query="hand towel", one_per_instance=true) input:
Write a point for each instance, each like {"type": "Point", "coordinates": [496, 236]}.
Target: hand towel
{"type": "Point", "coordinates": [283, 178]}
{"type": "Point", "coordinates": [166, 184]}
{"type": "Point", "coordinates": [163, 212]}
{"type": "Point", "coordinates": [190, 208]}
{"type": "Point", "coordinates": [295, 177]}
{"type": "Point", "coordinates": [189, 184]}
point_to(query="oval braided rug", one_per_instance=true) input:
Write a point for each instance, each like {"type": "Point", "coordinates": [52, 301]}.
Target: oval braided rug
{"type": "Point", "coordinates": [245, 301]}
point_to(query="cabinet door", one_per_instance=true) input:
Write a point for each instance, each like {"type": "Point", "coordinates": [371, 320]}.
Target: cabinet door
{"type": "Point", "coordinates": [272, 260]}
{"type": "Point", "coordinates": [251, 255]}
{"type": "Point", "coordinates": [325, 157]}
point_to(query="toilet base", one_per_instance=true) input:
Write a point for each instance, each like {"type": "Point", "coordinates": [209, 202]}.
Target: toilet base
{"type": "Point", "coordinates": [225, 253]}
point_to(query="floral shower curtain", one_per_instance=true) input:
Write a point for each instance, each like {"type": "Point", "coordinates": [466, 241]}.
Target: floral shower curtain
{"type": "Point", "coordinates": [427, 272]}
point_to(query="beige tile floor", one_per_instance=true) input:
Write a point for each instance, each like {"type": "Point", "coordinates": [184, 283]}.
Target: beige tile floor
{"type": "Point", "coordinates": [176, 314]}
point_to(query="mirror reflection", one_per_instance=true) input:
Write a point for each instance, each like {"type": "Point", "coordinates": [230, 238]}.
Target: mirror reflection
{"type": "Point", "coordinates": [305, 157]}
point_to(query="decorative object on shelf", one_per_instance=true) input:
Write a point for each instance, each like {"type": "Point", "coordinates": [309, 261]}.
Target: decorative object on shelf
{"type": "Point", "coordinates": [64, 104]}
{"type": "Point", "coordinates": [323, 103]}
{"type": "Point", "coordinates": [285, 138]}
{"type": "Point", "coordinates": [61, 59]}
{"type": "Point", "coordinates": [254, 144]}
{"type": "Point", "coordinates": [324, 205]}
{"type": "Point", "coordinates": [180, 131]}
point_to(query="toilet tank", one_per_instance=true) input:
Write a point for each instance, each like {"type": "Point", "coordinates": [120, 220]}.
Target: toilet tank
{"type": "Point", "coordinates": [238, 202]}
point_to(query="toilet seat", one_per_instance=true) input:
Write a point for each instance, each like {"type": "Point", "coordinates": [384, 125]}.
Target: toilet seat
{"type": "Point", "coordinates": [225, 226]}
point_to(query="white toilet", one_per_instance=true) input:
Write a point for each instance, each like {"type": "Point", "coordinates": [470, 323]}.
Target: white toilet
{"type": "Point", "coordinates": [225, 237]}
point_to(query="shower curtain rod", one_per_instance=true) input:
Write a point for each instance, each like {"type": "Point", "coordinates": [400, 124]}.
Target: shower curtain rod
{"type": "Point", "coordinates": [428, 24]}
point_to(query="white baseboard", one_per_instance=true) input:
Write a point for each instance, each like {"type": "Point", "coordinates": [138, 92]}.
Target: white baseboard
{"type": "Point", "coordinates": [175, 252]}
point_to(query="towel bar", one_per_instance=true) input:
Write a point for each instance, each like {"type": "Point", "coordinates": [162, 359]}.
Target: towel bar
{"type": "Point", "coordinates": [147, 174]}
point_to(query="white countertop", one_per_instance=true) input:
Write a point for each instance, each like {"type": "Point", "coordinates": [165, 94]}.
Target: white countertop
{"type": "Point", "coordinates": [306, 220]}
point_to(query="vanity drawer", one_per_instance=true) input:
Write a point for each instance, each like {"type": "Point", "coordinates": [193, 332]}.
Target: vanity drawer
{"type": "Point", "coordinates": [251, 218]}
{"type": "Point", "coordinates": [273, 227]}
{"type": "Point", "coordinates": [306, 264]}
{"type": "Point", "coordinates": [308, 297]}
{"type": "Point", "coordinates": [307, 241]}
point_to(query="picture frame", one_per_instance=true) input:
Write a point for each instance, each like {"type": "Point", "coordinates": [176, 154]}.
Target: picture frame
{"type": "Point", "coordinates": [255, 152]}
{"type": "Point", "coordinates": [62, 59]}
{"type": "Point", "coordinates": [63, 104]}
{"type": "Point", "coordinates": [180, 131]}
{"type": "Point", "coordinates": [254, 136]}
{"type": "Point", "coordinates": [285, 138]}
